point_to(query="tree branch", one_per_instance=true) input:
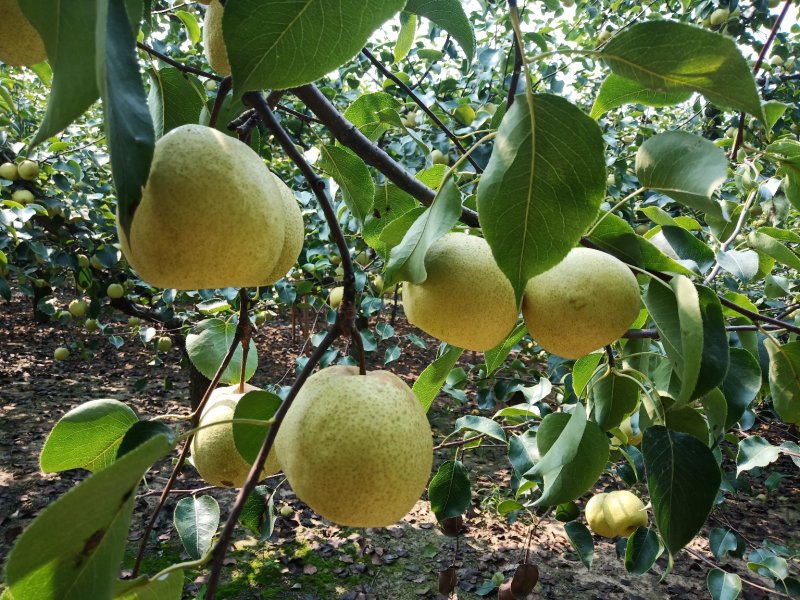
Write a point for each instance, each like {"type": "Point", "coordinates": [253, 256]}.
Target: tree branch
{"type": "Point", "coordinates": [176, 64]}
{"type": "Point", "coordinates": [350, 136]}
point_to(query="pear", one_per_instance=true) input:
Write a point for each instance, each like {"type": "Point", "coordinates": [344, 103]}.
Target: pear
{"type": "Point", "coordinates": [293, 232]}
{"type": "Point", "coordinates": [211, 215]}
{"type": "Point", "coordinates": [585, 302]}
{"type": "Point", "coordinates": [213, 41]}
{"type": "Point", "coordinates": [466, 300]}
{"type": "Point", "coordinates": [356, 448]}
{"type": "Point", "coordinates": [20, 43]}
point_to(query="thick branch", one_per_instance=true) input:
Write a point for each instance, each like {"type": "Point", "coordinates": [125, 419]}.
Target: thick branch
{"type": "Point", "coordinates": [349, 135]}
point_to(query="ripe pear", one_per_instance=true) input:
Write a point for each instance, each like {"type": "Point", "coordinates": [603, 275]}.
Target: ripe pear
{"type": "Point", "coordinates": [356, 448]}
{"type": "Point", "coordinates": [293, 232]}
{"type": "Point", "coordinates": [211, 215]}
{"type": "Point", "coordinates": [20, 43]}
{"type": "Point", "coordinates": [28, 170]}
{"type": "Point", "coordinates": [214, 451]}
{"type": "Point", "coordinates": [9, 171]}
{"type": "Point", "coordinates": [213, 41]}
{"type": "Point", "coordinates": [585, 302]}
{"type": "Point", "coordinates": [624, 512]}
{"type": "Point", "coordinates": [466, 300]}
{"type": "Point", "coordinates": [596, 518]}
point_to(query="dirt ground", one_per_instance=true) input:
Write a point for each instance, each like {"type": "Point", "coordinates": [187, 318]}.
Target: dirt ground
{"type": "Point", "coordinates": [306, 557]}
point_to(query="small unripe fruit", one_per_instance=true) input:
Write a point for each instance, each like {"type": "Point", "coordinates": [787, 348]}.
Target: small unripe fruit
{"type": "Point", "coordinates": [261, 318]}
{"type": "Point", "coordinates": [83, 261]}
{"type": "Point", "coordinates": [719, 16]}
{"type": "Point", "coordinates": [9, 171]}
{"type": "Point", "coordinates": [464, 114]}
{"type": "Point", "coordinates": [61, 353]}
{"type": "Point", "coordinates": [92, 325]}
{"type": "Point", "coordinates": [115, 291]}
{"type": "Point", "coordinates": [134, 321]}
{"type": "Point", "coordinates": [164, 344]}
{"type": "Point", "coordinates": [286, 511]}
{"type": "Point", "coordinates": [603, 36]}
{"type": "Point", "coordinates": [335, 297]}
{"type": "Point", "coordinates": [77, 308]}
{"type": "Point", "coordinates": [439, 158]}
{"type": "Point", "coordinates": [22, 196]}
{"type": "Point", "coordinates": [28, 170]}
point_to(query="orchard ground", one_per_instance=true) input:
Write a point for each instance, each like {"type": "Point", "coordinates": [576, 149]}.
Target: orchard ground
{"type": "Point", "coordinates": [306, 557]}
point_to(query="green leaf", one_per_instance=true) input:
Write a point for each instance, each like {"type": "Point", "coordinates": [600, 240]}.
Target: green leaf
{"type": "Point", "coordinates": [663, 56]}
{"type": "Point", "coordinates": [741, 384]}
{"type": "Point", "coordinates": [449, 490]}
{"type": "Point", "coordinates": [278, 44]}
{"type": "Point", "coordinates": [62, 24]}
{"type": "Point", "coordinates": [642, 551]}
{"type": "Point", "coordinates": [786, 153]}
{"type": "Point", "coordinates": [258, 514]}
{"type": "Point", "coordinates": [249, 438]}
{"type": "Point", "coordinates": [617, 91]}
{"type": "Point", "coordinates": [614, 398]}
{"type": "Point", "coordinates": [407, 261]}
{"type": "Point", "coordinates": [581, 540]}
{"type": "Point", "coordinates": [574, 453]}
{"type": "Point", "coordinates": [687, 419]}
{"type": "Point", "coordinates": [431, 380]}
{"type": "Point", "coordinates": [175, 99]}
{"type": "Point", "coordinates": [583, 370]}
{"type": "Point", "coordinates": [784, 379]}
{"type": "Point", "coordinates": [192, 26]}
{"type": "Point", "coordinates": [196, 519]}
{"type": "Point", "coordinates": [741, 264]}
{"type": "Point", "coordinates": [365, 113]}
{"type": "Point", "coordinates": [87, 437]}
{"type": "Point", "coordinates": [208, 347]}
{"type": "Point", "coordinates": [74, 548]}
{"type": "Point", "coordinates": [450, 16]}
{"type": "Point", "coordinates": [766, 244]}
{"type": "Point", "coordinates": [683, 479]}
{"type": "Point", "coordinates": [542, 187]}
{"type": "Point", "coordinates": [755, 451]}
{"type": "Point", "coordinates": [129, 128]}
{"type": "Point", "coordinates": [169, 587]}
{"type": "Point", "coordinates": [497, 355]}
{"type": "Point", "coordinates": [715, 355]}
{"type": "Point", "coordinates": [723, 541]}
{"type": "Point", "coordinates": [482, 425]}
{"type": "Point", "coordinates": [352, 176]}
{"type": "Point", "coordinates": [691, 251]}
{"type": "Point", "coordinates": [683, 166]}
{"type": "Point", "coordinates": [723, 585]}
{"type": "Point", "coordinates": [773, 110]}
{"type": "Point", "coordinates": [679, 320]}
{"type": "Point", "coordinates": [405, 38]}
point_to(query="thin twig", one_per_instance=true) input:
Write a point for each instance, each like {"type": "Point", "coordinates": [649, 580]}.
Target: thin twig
{"type": "Point", "coordinates": [176, 64]}
{"type": "Point", "coordinates": [418, 101]}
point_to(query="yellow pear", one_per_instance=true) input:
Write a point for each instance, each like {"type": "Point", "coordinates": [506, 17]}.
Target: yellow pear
{"type": "Point", "coordinates": [356, 448]}
{"type": "Point", "coordinates": [20, 43]}
{"type": "Point", "coordinates": [466, 300]}
{"type": "Point", "coordinates": [335, 297]}
{"type": "Point", "coordinates": [213, 41]}
{"type": "Point", "coordinates": [211, 215]}
{"type": "Point", "coordinates": [596, 518]}
{"type": "Point", "coordinates": [585, 302]}
{"type": "Point", "coordinates": [624, 512]}
{"type": "Point", "coordinates": [293, 232]}
{"type": "Point", "coordinates": [214, 451]}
